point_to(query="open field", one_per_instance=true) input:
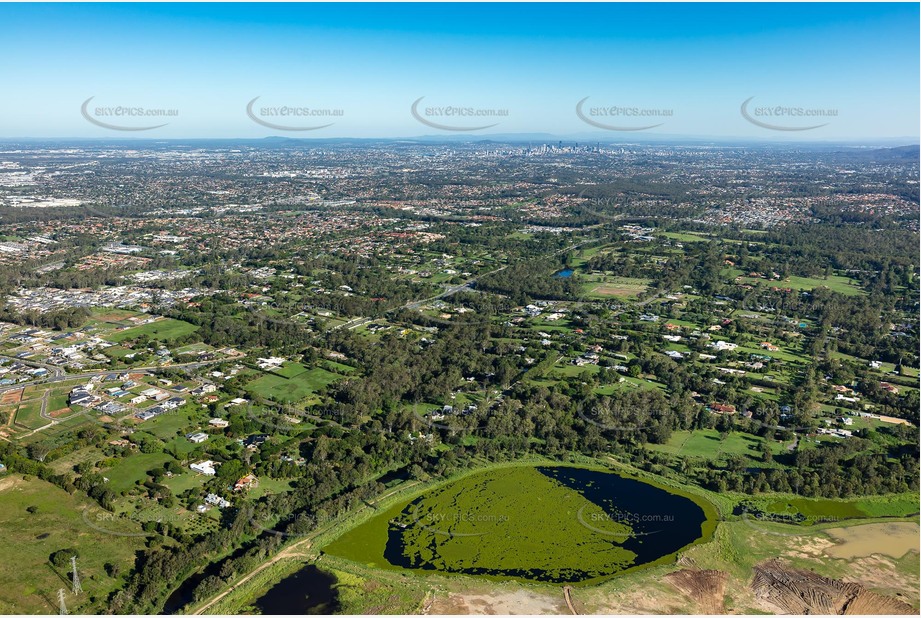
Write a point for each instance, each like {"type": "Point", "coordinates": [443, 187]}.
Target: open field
{"type": "Point", "coordinates": [836, 283]}
{"type": "Point", "coordinates": [735, 551]}
{"type": "Point", "coordinates": [289, 389]}
{"type": "Point", "coordinates": [133, 469]}
{"type": "Point", "coordinates": [28, 415]}
{"type": "Point", "coordinates": [894, 540]}
{"type": "Point", "coordinates": [687, 236]}
{"type": "Point", "coordinates": [604, 286]}
{"type": "Point", "coordinates": [706, 443]}
{"type": "Point", "coordinates": [165, 329]}
{"type": "Point", "coordinates": [27, 540]}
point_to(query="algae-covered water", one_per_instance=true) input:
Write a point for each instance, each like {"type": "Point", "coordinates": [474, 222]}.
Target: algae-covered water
{"type": "Point", "coordinates": [555, 524]}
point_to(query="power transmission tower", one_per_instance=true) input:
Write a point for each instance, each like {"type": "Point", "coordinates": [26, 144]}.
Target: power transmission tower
{"type": "Point", "coordinates": [73, 565]}
{"type": "Point", "coordinates": [63, 610]}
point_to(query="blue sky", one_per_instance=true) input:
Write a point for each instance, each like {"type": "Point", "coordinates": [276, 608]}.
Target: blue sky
{"type": "Point", "coordinates": [694, 63]}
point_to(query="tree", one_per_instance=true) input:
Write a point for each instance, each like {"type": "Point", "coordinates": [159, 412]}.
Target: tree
{"type": "Point", "coordinates": [766, 455]}
{"type": "Point", "coordinates": [61, 558]}
{"type": "Point", "coordinates": [39, 450]}
{"type": "Point", "coordinates": [230, 471]}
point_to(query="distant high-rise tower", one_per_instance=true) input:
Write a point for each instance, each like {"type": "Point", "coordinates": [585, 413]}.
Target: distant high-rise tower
{"type": "Point", "coordinates": [73, 566]}
{"type": "Point", "coordinates": [63, 607]}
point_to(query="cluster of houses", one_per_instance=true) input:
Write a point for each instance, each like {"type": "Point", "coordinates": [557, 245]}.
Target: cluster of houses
{"type": "Point", "coordinates": [834, 431]}
{"type": "Point", "coordinates": [207, 468]}
{"type": "Point", "coordinates": [166, 404]}
{"type": "Point", "coordinates": [75, 355]}
{"type": "Point", "coordinates": [439, 414]}
{"type": "Point", "coordinates": [538, 307]}
{"type": "Point", "coordinates": [13, 372]}
{"type": "Point", "coordinates": [83, 396]}
{"type": "Point", "coordinates": [639, 233]}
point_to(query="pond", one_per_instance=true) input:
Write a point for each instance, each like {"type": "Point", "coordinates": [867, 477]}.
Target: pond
{"type": "Point", "coordinates": [565, 273]}
{"type": "Point", "coordinates": [309, 591]}
{"type": "Point", "coordinates": [555, 524]}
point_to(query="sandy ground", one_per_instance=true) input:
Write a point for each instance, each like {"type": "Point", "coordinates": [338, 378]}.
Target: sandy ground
{"type": "Point", "coordinates": [890, 539]}
{"type": "Point", "coordinates": [10, 397]}
{"type": "Point", "coordinates": [518, 602]}
{"type": "Point", "coordinates": [8, 482]}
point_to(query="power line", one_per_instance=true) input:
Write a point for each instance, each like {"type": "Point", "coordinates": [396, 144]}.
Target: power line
{"type": "Point", "coordinates": [73, 565]}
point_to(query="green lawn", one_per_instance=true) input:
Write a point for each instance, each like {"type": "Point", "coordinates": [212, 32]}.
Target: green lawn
{"type": "Point", "coordinates": [132, 469]}
{"type": "Point", "coordinates": [686, 236]}
{"type": "Point", "coordinates": [29, 415]}
{"type": "Point", "coordinates": [706, 443]}
{"type": "Point", "coordinates": [117, 351]}
{"type": "Point", "coordinates": [290, 370]}
{"type": "Point", "coordinates": [183, 482]}
{"type": "Point", "coordinates": [169, 425]}
{"type": "Point", "coordinates": [166, 329]}
{"type": "Point", "coordinates": [836, 283]}
{"type": "Point", "coordinates": [301, 385]}
{"type": "Point", "coordinates": [269, 486]}
{"type": "Point", "coordinates": [784, 353]}
{"type": "Point", "coordinates": [57, 401]}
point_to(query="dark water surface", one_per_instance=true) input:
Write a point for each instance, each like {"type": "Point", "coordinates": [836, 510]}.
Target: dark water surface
{"type": "Point", "coordinates": [309, 591]}
{"type": "Point", "coordinates": [662, 522]}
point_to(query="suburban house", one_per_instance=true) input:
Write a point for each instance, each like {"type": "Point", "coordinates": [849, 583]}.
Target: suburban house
{"type": "Point", "coordinates": [204, 467]}
{"type": "Point", "coordinates": [247, 482]}
{"type": "Point", "coordinates": [216, 500]}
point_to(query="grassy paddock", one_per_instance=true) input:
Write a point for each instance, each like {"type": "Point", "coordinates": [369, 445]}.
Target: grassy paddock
{"type": "Point", "coordinates": [30, 582]}
{"type": "Point", "coordinates": [294, 387]}
{"type": "Point", "coordinates": [166, 329]}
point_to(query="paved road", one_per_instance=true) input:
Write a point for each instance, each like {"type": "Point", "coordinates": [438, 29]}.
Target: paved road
{"type": "Point", "coordinates": [83, 376]}
{"type": "Point", "coordinates": [54, 369]}
{"type": "Point", "coordinates": [44, 411]}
